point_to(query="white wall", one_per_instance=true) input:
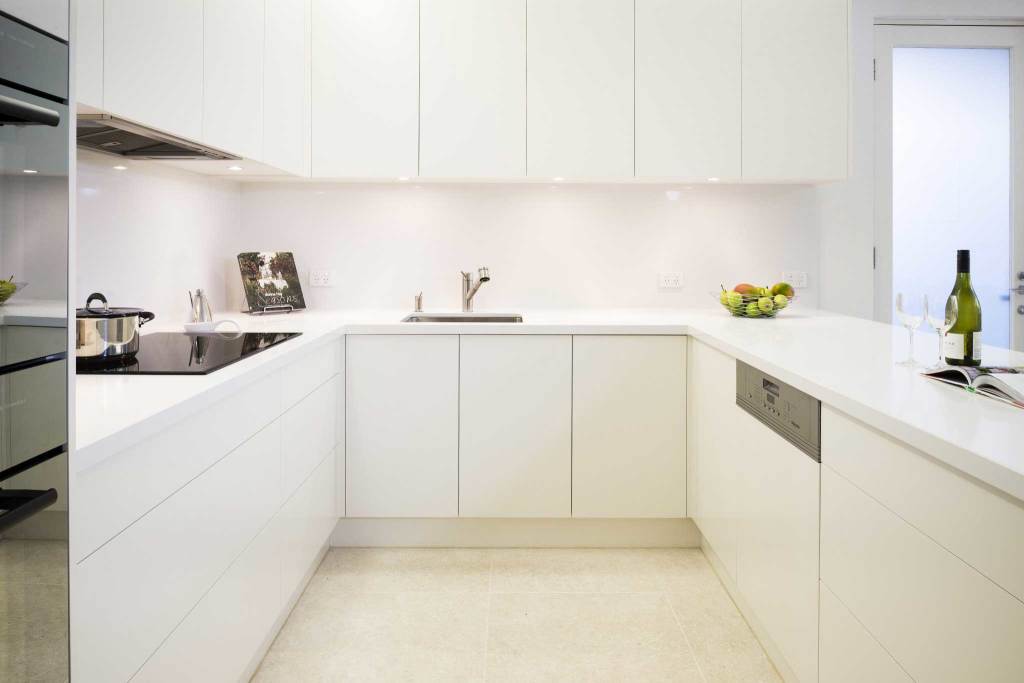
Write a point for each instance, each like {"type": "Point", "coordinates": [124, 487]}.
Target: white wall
{"type": "Point", "coordinates": [846, 210]}
{"type": "Point", "coordinates": [147, 234]}
{"type": "Point", "coordinates": [548, 246]}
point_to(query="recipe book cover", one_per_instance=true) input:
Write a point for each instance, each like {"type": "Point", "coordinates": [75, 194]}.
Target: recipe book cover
{"type": "Point", "coordinates": [270, 279]}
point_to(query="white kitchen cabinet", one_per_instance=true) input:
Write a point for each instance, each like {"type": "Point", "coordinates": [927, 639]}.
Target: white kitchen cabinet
{"type": "Point", "coordinates": [579, 77]}
{"type": "Point", "coordinates": [777, 559]}
{"type": "Point", "coordinates": [849, 654]}
{"type": "Point", "coordinates": [402, 425]}
{"type": "Point", "coordinates": [515, 440]}
{"type": "Point", "coordinates": [688, 89]}
{"type": "Point", "coordinates": [233, 76]}
{"type": "Point", "coordinates": [716, 463]}
{"type": "Point", "coordinates": [938, 617]}
{"type": "Point", "coordinates": [309, 433]}
{"type": "Point", "coordinates": [365, 88]}
{"type": "Point", "coordinates": [130, 594]}
{"type": "Point", "coordinates": [795, 89]}
{"type": "Point", "coordinates": [629, 426]}
{"type": "Point", "coordinates": [49, 15]}
{"type": "Point", "coordinates": [89, 53]}
{"type": "Point", "coordinates": [305, 523]}
{"type": "Point", "coordinates": [153, 63]}
{"type": "Point", "coordinates": [287, 98]}
{"type": "Point", "coordinates": [473, 88]}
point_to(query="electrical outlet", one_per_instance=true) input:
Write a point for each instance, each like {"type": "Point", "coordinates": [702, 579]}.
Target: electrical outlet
{"type": "Point", "coordinates": [321, 278]}
{"type": "Point", "coordinates": [670, 281]}
{"type": "Point", "coordinates": [797, 278]}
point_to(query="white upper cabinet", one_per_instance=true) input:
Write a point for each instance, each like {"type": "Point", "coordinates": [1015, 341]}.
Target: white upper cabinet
{"type": "Point", "coordinates": [473, 88]}
{"type": "Point", "coordinates": [89, 53]}
{"type": "Point", "coordinates": [795, 90]}
{"type": "Point", "coordinates": [688, 89]}
{"type": "Point", "coordinates": [579, 79]}
{"type": "Point", "coordinates": [286, 86]}
{"type": "Point", "coordinates": [365, 88]}
{"type": "Point", "coordinates": [153, 63]}
{"type": "Point", "coordinates": [233, 76]}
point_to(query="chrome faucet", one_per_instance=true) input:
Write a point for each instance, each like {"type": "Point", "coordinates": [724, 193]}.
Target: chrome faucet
{"type": "Point", "coordinates": [469, 288]}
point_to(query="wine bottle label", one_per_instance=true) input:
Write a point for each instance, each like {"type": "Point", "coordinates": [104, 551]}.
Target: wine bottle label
{"type": "Point", "coordinates": [953, 346]}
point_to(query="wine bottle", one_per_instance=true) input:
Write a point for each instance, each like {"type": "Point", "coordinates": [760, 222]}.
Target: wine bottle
{"type": "Point", "coordinates": [962, 343]}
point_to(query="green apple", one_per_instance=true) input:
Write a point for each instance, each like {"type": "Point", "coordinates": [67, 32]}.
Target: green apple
{"type": "Point", "coordinates": [752, 310]}
{"type": "Point", "coordinates": [763, 292]}
{"type": "Point", "coordinates": [781, 301]}
{"type": "Point", "coordinates": [723, 297]}
{"type": "Point", "coordinates": [765, 304]}
{"type": "Point", "coordinates": [734, 300]}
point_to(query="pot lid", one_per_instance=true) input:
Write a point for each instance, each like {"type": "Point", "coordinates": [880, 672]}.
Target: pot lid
{"type": "Point", "coordinates": [102, 310]}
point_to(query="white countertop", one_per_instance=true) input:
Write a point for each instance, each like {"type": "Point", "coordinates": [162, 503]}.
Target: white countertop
{"type": "Point", "coordinates": [848, 363]}
{"type": "Point", "coordinates": [34, 312]}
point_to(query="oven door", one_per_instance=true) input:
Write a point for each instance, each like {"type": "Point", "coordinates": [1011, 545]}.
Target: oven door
{"type": "Point", "coordinates": [34, 200]}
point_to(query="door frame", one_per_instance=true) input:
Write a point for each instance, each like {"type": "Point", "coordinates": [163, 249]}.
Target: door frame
{"type": "Point", "coordinates": [930, 34]}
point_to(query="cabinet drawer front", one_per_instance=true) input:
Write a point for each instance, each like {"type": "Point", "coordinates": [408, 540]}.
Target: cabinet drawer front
{"type": "Point", "coordinates": [300, 378]}
{"type": "Point", "coordinates": [515, 440]}
{"type": "Point", "coordinates": [938, 617]}
{"type": "Point", "coordinates": [849, 654]}
{"type": "Point", "coordinates": [122, 488]}
{"type": "Point", "coordinates": [305, 523]}
{"type": "Point", "coordinates": [244, 603]}
{"type": "Point", "coordinates": [629, 426]}
{"type": "Point", "coordinates": [128, 596]}
{"type": "Point", "coordinates": [920, 490]}
{"type": "Point", "coordinates": [308, 435]}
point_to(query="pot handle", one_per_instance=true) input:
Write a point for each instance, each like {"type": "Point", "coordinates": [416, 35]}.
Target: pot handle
{"type": "Point", "coordinates": [145, 317]}
{"type": "Point", "coordinates": [96, 296]}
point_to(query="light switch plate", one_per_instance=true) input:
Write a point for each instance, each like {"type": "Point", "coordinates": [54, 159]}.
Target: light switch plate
{"type": "Point", "coordinates": [321, 278]}
{"type": "Point", "coordinates": [797, 278]}
{"type": "Point", "coordinates": [670, 281]}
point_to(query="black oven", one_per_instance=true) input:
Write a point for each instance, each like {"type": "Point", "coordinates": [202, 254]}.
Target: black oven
{"type": "Point", "coordinates": [34, 201]}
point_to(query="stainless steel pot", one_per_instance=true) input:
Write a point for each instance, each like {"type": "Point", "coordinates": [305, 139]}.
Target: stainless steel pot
{"type": "Point", "coordinates": [108, 333]}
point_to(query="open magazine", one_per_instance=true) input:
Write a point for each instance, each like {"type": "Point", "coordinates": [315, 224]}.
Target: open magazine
{"type": "Point", "coordinates": [1004, 384]}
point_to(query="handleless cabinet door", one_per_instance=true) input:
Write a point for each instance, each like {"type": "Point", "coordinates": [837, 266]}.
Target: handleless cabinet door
{"type": "Point", "coordinates": [473, 88]}
{"type": "Point", "coordinates": [795, 89]}
{"type": "Point", "coordinates": [233, 76]}
{"type": "Point", "coordinates": [629, 426]}
{"type": "Point", "coordinates": [688, 88]}
{"type": "Point", "coordinates": [153, 63]}
{"type": "Point", "coordinates": [286, 86]}
{"type": "Point", "coordinates": [365, 88]}
{"type": "Point", "coordinates": [515, 440]}
{"type": "Point", "coordinates": [89, 53]}
{"type": "Point", "coordinates": [579, 84]}
{"type": "Point", "coordinates": [402, 425]}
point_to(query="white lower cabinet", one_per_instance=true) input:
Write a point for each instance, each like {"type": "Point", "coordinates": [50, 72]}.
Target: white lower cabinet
{"type": "Point", "coordinates": [629, 426]}
{"type": "Point", "coordinates": [938, 617]}
{"type": "Point", "coordinates": [515, 414]}
{"type": "Point", "coordinates": [304, 524]}
{"type": "Point", "coordinates": [402, 426]}
{"type": "Point", "coordinates": [136, 588]}
{"type": "Point", "coordinates": [849, 654]}
{"type": "Point", "coordinates": [777, 554]}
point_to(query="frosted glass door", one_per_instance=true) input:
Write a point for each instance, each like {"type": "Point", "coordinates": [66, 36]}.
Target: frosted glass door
{"type": "Point", "coordinates": [948, 93]}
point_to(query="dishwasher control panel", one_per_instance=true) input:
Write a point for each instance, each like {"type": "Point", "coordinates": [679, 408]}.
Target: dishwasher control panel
{"type": "Point", "coordinates": [789, 412]}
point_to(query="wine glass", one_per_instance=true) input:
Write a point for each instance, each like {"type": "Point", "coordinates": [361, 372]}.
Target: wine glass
{"type": "Point", "coordinates": [911, 318]}
{"type": "Point", "coordinates": [940, 320]}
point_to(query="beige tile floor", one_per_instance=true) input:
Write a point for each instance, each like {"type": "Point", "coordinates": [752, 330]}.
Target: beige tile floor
{"type": "Point", "coordinates": [515, 615]}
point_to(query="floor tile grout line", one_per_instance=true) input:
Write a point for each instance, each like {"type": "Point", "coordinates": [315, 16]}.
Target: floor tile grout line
{"type": "Point", "coordinates": [686, 637]}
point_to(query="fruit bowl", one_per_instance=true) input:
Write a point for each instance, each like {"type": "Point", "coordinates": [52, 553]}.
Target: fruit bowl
{"type": "Point", "coordinates": [756, 302]}
{"type": "Point", "coordinates": [9, 288]}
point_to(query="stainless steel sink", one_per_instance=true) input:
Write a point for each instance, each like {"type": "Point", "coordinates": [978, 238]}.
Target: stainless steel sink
{"type": "Point", "coordinates": [463, 318]}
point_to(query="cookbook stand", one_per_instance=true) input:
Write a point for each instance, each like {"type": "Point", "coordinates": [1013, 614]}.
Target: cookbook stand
{"type": "Point", "coordinates": [280, 308]}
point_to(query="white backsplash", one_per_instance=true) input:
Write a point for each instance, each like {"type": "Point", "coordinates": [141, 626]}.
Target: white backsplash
{"type": "Point", "coordinates": [148, 233]}
{"type": "Point", "coordinates": [547, 246]}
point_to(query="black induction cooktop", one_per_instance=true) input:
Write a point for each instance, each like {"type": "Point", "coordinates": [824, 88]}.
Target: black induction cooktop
{"type": "Point", "coordinates": [176, 353]}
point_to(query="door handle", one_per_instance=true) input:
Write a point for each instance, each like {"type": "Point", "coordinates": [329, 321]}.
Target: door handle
{"type": "Point", "coordinates": [18, 113]}
{"type": "Point", "coordinates": [19, 505]}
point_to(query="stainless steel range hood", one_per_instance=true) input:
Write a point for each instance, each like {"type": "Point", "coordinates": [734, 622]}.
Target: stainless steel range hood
{"type": "Point", "coordinates": [111, 135]}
